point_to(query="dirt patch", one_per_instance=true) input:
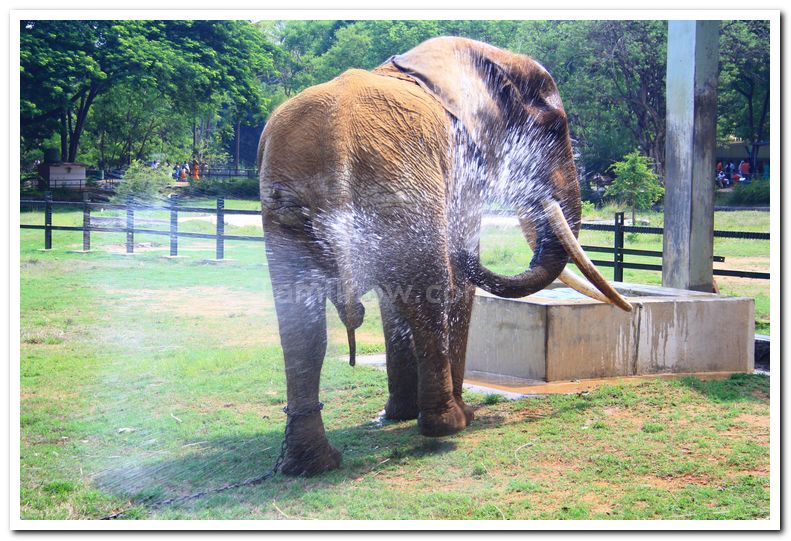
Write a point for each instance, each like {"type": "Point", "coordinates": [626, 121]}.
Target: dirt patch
{"type": "Point", "coordinates": [756, 264]}
{"type": "Point", "coordinates": [763, 472]}
{"type": "Point", "coordinates": [208, 405]}
{"type": "Point", "coordinates": [596, 504]}
{"type": "Point", "coordinates": [676, 483]}
{"type": "Point", "coordinates": [744, 263]}
{"type": "Point", "coordinates": [751, 427]}
{"type": "Point", "coordinates": [197, 301]}
{"type": "Point", "coordinates": [760, 395]}
{"type": "Point", "coordinates": [338, 336]}
{"type": "Point", "coordinates": [613, 413]}
{"type": "Point", "coordinates": [138, 247]}
{"type": "Point", "coordinates": [143, 247]}
{"type": "Point", "coordinates": [751, 420]}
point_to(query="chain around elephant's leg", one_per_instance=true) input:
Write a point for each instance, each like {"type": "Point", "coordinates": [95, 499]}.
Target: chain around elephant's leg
{"type": "Point", "coordinates": [300, 305]}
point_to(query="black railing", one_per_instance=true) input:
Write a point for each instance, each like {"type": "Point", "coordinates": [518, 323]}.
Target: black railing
{"type": "Point", "coordinates": [130, 207]}
{"type": "Point", "coordinates": [618, 250]}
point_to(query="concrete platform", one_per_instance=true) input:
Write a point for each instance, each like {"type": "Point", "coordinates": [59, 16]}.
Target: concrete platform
{"type": "Point", "coordinates": [559, 335]}
{"type": "Point", "coordinates": [513, 388]}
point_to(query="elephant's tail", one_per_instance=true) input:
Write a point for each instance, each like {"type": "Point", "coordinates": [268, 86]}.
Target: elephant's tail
{"type": "Point", "coordinates": [338, 229]}
{"type": "Point", "coordinates": [350, 310]}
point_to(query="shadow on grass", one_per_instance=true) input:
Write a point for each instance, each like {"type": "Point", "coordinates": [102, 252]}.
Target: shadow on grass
{"type": "Point", "coordinates": [217, 462]}
{"type": "Point", "coordinates": [737, 388]}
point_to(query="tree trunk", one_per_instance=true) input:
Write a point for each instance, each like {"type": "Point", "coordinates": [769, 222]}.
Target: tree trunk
{"type": "Point", "coordinates": [238, 137]}
{"type": "Point", "coordinates": [64, 136]}
{"type": "Point", "coordinates": [194, 137]}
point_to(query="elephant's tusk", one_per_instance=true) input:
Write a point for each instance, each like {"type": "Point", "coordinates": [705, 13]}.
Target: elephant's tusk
{"type": "Point", "coordinates": [578, 284]}
{"type": "Point", "coordinates": [562, 230]}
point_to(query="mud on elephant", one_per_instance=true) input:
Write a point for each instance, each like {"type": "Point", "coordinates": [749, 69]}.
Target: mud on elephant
{"type": "Point", "coordinates": [376, 180]}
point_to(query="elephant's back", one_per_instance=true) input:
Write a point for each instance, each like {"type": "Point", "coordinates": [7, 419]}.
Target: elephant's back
{"type": "Point", "coordinates": [377, 132]}
{"type": "Point", "coordinates": [397, 137]}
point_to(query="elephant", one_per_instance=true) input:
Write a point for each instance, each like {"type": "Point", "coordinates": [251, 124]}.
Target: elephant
{"type": "Point", "coordinates": [376, 180]}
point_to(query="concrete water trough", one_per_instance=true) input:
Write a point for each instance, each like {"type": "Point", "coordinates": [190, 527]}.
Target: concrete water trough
{"type": "Point", "coordinates": [558, 335]}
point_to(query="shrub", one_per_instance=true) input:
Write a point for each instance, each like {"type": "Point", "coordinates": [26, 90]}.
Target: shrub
{"type": "Point", "coordinates": [243, 187]}
{"type": "Point", "coordinates": [492, 399]}
{"type": "Point", "coordinates": [142, 182]}
{"type": "Point", "coordinates": [754, 193]}
{"type": "Point", "coordinates": [635, 185]}
{"type": "Point", "coordinates": [588, 208]}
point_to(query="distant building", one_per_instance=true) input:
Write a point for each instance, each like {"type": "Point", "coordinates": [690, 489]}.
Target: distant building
{"type": "Point", "coordinates": [738, 151]}
{"type": "Point", "coordinates": [63, 175]}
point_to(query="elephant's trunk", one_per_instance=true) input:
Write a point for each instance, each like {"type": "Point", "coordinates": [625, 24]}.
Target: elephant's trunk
{"type": "Point", "coordinates": [553, 241]}
{"type": "Point", "coordinates": [549, 259]}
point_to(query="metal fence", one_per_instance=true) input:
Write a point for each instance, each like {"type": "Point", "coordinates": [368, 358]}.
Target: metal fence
{"type": "Point", "coordinates": [131, 207]}
{"type": "Point", "coordinates": [618, 250]}
{"type": "Point", "coordinates": [229, 171]}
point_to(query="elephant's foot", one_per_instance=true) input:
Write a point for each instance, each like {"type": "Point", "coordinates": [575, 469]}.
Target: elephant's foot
{"type": "Point", "coordinates": [312, 459]}
{"type": "Point", "coordinates": [446, 422]}
{"type": "Point", "coordinates": [401, 409]}
{"type": "Point", "coordinates": [469, 413]}
{"type": "Point", "coordinates": [307, 450]}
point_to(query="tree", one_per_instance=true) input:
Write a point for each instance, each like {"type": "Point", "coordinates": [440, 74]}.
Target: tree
{"type": "Point", "coordinates": [632, 55]}
{"type": "Point", "coordinates": [743, 93]}
{"type": "Point", "coordinates": [197, 66]}
{"type": "Point", "coordinates": [635, 185]}
{"type": "Point", "coordinates": [610, 82]}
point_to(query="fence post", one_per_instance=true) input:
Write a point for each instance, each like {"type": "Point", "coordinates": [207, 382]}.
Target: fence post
{"type": "Point", "coordinates": [618, 248]}
{"type": "Point", "coordinates": [130, 225]}
{"type": "Point", "coordinates": [220, 227]}
{"type": "Point", "coordinates": [48, 221]}
{"type": "Point", "coordinates": [174, 225]}
{"type": "Point", "coordinates": [86, 224]}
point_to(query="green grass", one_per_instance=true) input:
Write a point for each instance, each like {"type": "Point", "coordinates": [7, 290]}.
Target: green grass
{"type": "Point", "coordinates": [144, 377]}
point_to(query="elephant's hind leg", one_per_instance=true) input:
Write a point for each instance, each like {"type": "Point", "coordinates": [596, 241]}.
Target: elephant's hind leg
{"type": "Point", "coordinates": [459, 327]}
{"type": "Point", "coordinates": [300, 302]}
{"type": "Point", "coordinates": [401, 363]}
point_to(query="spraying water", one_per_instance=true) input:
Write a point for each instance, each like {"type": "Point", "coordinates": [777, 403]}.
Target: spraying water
{"type": "Point", "coordinates": [405, 239]}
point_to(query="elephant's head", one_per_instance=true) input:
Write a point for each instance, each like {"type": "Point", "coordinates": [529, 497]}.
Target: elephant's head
{"type": "Point", "coordinates": [511, 111]}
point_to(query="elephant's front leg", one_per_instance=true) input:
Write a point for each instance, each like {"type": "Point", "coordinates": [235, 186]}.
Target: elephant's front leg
{"type": "Point", "coordinates": [300, 305]}
{"type": "Point", "coordinates": [441, 413]}
{"type": "Point", "coordinates": [459, 327]}
{"type": "Point", "coordinates": [402, 403]}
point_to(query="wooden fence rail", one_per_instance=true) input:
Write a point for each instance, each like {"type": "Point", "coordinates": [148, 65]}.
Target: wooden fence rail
{"type": "Point", "coordinates": [618, 250]}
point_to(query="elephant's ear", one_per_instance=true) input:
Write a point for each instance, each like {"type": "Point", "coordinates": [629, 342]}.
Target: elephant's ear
{"type": "Point", "coordinates": [484, 87]}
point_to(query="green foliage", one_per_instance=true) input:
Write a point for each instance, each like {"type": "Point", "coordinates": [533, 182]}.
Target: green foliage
{"type": "Point", "coordinates": [743, 92]}
{"type": "Point", "coordinates": [244, 187]}
{"type": "Point", "coordinates": [492, 399]}
{"type": "Point", "coordinates": [588, 208]}
{"type": "Point", "coordinates": [653, 428]}
{"type": "Point", "coordinates": [754, 193]}
{"type": "Point", "coordinates": [636, 185]}
{"type": "Point", "coordinates": [142, 182]}
{"type": "Point", "coordinates": [610, 75]}
{"type": "Point", "coordinates": [160, 81]}
{"type": "Point", "coordinates": [124, 90]}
